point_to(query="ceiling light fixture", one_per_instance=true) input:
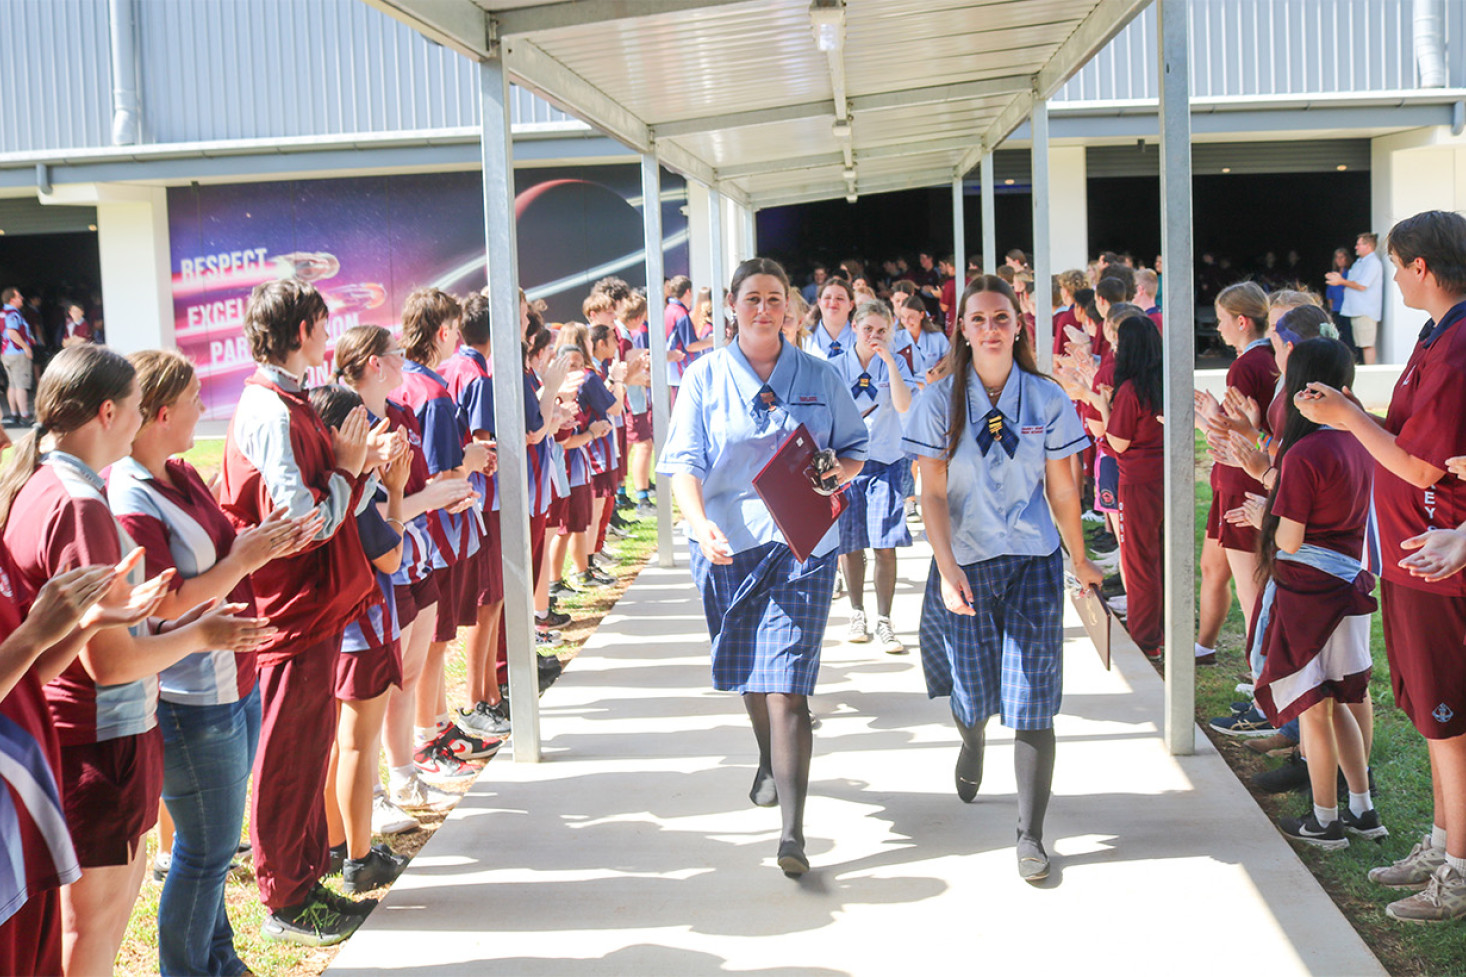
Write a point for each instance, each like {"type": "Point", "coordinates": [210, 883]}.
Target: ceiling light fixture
{"type": "Point", "coordinates": [1226, 169]}
{"type": "Point", "coordinates": [841, 129]}
{"type": "Point", "coordinates": [850, 198]}
{"type": "Point", "coordinates": [850, 173]}
{"type": "Point", "coordinates": [1008, 182]}
{"type": "Point", "coordinates": [1341, 167]}
{"type": "Point", "coordinates": [827, 20]}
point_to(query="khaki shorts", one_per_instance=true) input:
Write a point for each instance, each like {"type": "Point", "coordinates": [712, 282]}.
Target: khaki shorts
{"type": "Point", "coordinates": [20, 371]}
{"type": "Point", "coordinates": [1365, 330]}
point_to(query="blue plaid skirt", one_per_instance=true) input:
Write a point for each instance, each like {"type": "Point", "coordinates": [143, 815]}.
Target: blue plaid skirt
{"type": "Point", "coordinates": [766, 615]}
{"type": "Point", "coordinates": [875, 514]}
{"type": "Point", "coordinates": [1008, 658]}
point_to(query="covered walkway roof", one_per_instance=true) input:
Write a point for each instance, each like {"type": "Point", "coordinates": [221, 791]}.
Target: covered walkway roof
{"type": "Point", "coordinates": [780, 101]}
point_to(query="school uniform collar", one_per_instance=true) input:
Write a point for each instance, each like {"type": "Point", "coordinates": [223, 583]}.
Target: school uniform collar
{"type": "Point", "coordinates": [747, 382]}
{"type": "Point", "coordinates": [846, 339]}
{"type": "Point", "coordinates": [1255, 344]}
{"type": "Point", "coordinates": [282, 378]}
{"type": "Point", "coordinates": [478, 358]}
{"type": "Point", "coordinates": [1433, 330]}
{"type": "Point", "coordinates": [1010, 401]}
{"type": "Point", "coordinates": [412, 366]}
{"type": "Point", "coordinates": [76, 465]}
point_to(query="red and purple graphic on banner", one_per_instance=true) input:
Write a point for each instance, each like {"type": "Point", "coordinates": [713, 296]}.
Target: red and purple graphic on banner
{"type": "Point", "coordinates": [366, 242]}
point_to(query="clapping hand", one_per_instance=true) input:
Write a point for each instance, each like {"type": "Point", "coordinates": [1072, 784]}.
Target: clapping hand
{"type": "Point", "coordinates": [64, 599]}
{"type": "Point", "coordinates": [1439, 553]}
{"type": "Point", "coordinates": [1249, 513]}
{"type": "Point", "coordinates": [276, 536]}
{"type": "Point", "coordinates": [350, 441]}
{"type": "Point", "coordinates": [123, 605]}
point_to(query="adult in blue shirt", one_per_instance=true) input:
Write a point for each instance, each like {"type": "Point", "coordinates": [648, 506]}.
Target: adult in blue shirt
{"type": "Point", "coordinates": [993, 441]}
{"type": "Point", "coordinates": [766, 611]}
{"type": "Point", "coordinates": [875, 516]}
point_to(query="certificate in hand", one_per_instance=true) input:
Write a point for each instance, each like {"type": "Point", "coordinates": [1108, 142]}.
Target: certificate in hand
{"type": "Point", "coordinates": [1095, 613]}
{"type": "Point", "coordinates": [801, 513]}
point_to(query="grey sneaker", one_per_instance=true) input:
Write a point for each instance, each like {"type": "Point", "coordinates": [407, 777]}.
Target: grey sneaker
{"type": "Point", "coordinates": [1443, 899]}
{"type": "Point", "coordinates": [886, 637]}
{"type": "Point", "coordinates": [857, 635]}
{"type": "Point", "coordinates": [484, 721]}
{"type": "Point", "coordinates": [1413, 871]}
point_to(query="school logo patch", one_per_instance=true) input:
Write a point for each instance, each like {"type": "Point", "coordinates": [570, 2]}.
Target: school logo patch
{"type": "Point", "coordinates": [1443, 713]}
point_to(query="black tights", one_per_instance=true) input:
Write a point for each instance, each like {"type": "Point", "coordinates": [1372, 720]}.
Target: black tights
{"type": "Point", "coordinates": [1033, 767]}
{"type": "Point", "coordinates": [853, 566]}
{"type": "Point", "coordinates": [785, 743]}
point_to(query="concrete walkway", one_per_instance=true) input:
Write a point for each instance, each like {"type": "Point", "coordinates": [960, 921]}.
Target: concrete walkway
{"type": "Point", "coordinates": [632, 849]}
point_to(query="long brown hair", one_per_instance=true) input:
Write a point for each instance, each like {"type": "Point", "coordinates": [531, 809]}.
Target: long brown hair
{"type": "Point", "coordinates": [959, 357]}
{"type": "Point", "coordinates": [74, 387]}
{"type": "Point", "coordinates": [355, 349]}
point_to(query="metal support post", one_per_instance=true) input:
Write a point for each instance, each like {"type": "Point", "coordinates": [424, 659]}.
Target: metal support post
{"type": "Point", "coordinates": [656, 304]}
{"type": "Point", "coordinates": [959, 242]}
{"type": "Point", "coordinates": [1043, 295]}
{"type": "Point", "coordinates": [989, 216]}
{"type": "Point", "coordinates": [750, 233]}
{"type": "Point", "coordinates": [503, 274]}
{"type": "Point", "coordinates": [718, 271]}
{"type": "Point", "coordinates": [1180, 455]}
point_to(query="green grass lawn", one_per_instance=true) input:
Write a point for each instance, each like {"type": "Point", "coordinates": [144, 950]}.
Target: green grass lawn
{"type": "Point", "coordinates": [1402, 773]}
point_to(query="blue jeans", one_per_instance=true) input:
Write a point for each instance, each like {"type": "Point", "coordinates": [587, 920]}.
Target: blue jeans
{"type": "Point", "coordinates": [207, 755]}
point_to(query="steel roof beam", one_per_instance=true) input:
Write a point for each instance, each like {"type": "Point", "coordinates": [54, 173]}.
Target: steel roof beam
{"type": "Point", "coordinates": [1107, 19]}
{"type": "Point", "coordinates": [825, 108]}
{"type": "Point", "coordinates": [823, 191]}
{"type": "Point", "coordinates": [739, 171]}
{"type": "Point", "coordinates": [458, 25]}
{"type": "Point", "coordinates": [585, 13]}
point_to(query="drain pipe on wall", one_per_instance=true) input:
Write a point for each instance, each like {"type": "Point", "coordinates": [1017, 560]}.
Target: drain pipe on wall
{"type": "Point", "coordinates": [126, 106]}
{"type": "Point", "coordinates": [1430, 42]}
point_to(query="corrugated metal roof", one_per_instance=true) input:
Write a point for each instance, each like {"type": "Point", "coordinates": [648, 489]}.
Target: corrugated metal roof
{"type": "Point", "coordinates": [740, 96]}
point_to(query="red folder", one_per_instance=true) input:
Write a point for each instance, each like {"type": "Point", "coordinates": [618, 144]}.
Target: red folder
{"type": "Point", "coordinates": [801, 513]}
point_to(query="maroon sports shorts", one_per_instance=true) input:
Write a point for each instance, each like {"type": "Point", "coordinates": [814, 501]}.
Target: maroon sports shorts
{"type": "Point", "coordinates": [110, 794]}
{"type": "Point", "coordinates": [491, 577]}
{"type": "Point", "coordinates": [366, 674]}
{"type": "Point", "coordinates": [575, 510]}
{"type": "Point", "coordinates": [1424, 637]}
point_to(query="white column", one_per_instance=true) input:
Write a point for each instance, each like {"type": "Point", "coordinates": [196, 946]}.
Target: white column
{"type": "Point", "coordinates": [137, 276]}
{"type": "Point", "coordinates": [959, 240]}
{"type": "Point", "coordinates": [651, 210]}
{"type": "Point", "coordinates": [1068, 204]}
{"type": "Point", "coordinates": [1043, 296]}
{"type": "Point", "coordinates": [503, 274]}
{"type": "Point", "coordinates": [699, 243]}
{"type": "Point", "coordinates": [750, 233]}
{"type": "Point", "coordinates": [717, 268]}
{"type": "Point", "coordinates": [1173, 26]}
{"type": "Point", "coordinates": [989, 217]}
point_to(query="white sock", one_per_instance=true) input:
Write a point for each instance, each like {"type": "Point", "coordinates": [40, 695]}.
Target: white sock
{"type": "Point", "coordinates": [1459, 864]}
{"type": "Point", "coordinates": [1326, 815]}
{"type": "Point", "coordinates": [541, 615]}
{"type": "Point", "coordinates": [422, 734]}
{"type": "Point", "coordinates": [401, 776]}
{"type": "Point", "coordinates": [1202, 649]}
{"type": "Point", "coordinates": [1360, 804]}
{"type": "Point", "coordinates": [1437, 837]}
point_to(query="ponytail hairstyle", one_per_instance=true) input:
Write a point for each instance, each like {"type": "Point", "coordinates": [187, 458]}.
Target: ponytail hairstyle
{"type": "Point", "coordinates": [355, 349]}
{"type": "Point", "coordinates": [74, 387]}
{"type": "Point", "coordinates": [1313, 360]}
{"type": "Point", "coordinates": [1139, 360]}
{"type": "Point", "coordinates": [1245, 300]}
{"type": "Point", "coordinates": [959, 357]}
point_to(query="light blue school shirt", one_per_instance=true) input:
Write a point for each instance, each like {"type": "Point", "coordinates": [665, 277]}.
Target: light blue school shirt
{"type": "Point", "coordinates": [820, 344]}
{"type": "Point", "coordinates": [997, 502]}
{"type": "Point", "coordinates": [720, 436]}
{"type": "Point", "coordinates": [870, 386]}
{"type": "Point", "coordinates": [927, 350]}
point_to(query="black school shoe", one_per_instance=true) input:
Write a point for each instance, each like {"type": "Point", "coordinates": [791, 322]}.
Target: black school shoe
{"type": "Point", "coordinates": [1310, 832]}
{"type": "Point", "coordinates": [380, 867]}
{"type": "Point", "coordinates": [319, 921]}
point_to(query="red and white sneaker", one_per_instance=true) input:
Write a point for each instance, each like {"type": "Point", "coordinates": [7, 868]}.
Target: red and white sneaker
{"type": "Point", "coordinates": [435, 762]}
{"type": "Point", "coordinates": [466, 746]}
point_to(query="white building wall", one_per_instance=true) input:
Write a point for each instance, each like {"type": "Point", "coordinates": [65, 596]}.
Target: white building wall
{"type": "Point", "coordinates": [1068, 208]}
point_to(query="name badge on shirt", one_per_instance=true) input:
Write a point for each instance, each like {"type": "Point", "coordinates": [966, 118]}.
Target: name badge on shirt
{"type": "Point", "coordinates": [1034, 429]}
{"type": "Point", "coordinates": [805, 399]}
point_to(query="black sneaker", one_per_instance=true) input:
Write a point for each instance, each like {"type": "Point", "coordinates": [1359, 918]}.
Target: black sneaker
{"type": "Point", "coordinates": [1310, 832]}
{"type": "Point", "coordinates": [380, 867]}
{"type": "Point", "coordinates": [559, 588]}
{"type": "Point", "coordinates": [1291, 776]}
{"type": "Point", "coordinates": [1366, 825]}
{"type": "Point", "coordinates": [554, 619]}
{"type": "Point", "coordinates": [1112, 586]}
{"type": "Point", "coordinates": [1103, 542]}
{"type": "Point", "coordinates": [338, 858]}
{"type": "Point", "coordinates": [312, 923]}
{"type": "Point", "coordinates": [646, 510]}
{"type": "Point", "coordinates": [623, 502]}
{"type": "Point", "coordinates": [360, 908]}
{"type": "Point", "coordinates": [594, 578]}
{"type": "Point", "coordinates": [1250, 723]}
{"type": "Point", "coordinates": [1344, 785]}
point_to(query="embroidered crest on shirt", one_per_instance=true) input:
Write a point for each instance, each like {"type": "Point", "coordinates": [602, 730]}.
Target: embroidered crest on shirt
{"type": "Point", "coordinates": [1443, 713]}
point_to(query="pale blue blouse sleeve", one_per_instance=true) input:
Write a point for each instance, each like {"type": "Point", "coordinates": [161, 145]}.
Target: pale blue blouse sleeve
{"type": "Point", "coordinates": [1064, 433]}
{"type": "Point", "coordinates": [686, 448]}
{"type": "Point", "coordinates": [925, 425]}
{"type": "Point", "coordinates": [848, 434]}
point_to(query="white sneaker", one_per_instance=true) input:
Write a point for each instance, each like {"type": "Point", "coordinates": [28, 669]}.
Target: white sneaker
{"type": "Point", "coordinates": [857, 634]}
{"type": "Point", "coordinates": [388, 818]}
{"type": "Point", "coordinates": [1108, 562]}
{"type": "Point", "coordinates": [1118, 605]}
{"type": "Point", "coordinates": [886, 637]}
{"type": "Point", "coordinates": [1092, 516]}
{"type": "Point", "coordinates": [418, 795]}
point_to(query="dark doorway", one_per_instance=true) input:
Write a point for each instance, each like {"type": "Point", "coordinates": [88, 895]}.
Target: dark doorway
{"type": "Point", "coordinates": [61, 268]}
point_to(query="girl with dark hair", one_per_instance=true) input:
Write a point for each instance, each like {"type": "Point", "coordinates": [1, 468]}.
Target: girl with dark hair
{"type": "Point", "coordinates": [993, 441]}
{"type": "Point", "coordinates": [1423, 594]}
{"type": "Point", "coordinates": [1309, 642]}
{"type": "Point", "coordinates": [830, 333]}
{"type": "Point", "coordinates": [766, 610]}
{"type": "Point", "coordinates": [919, 341]}
{"type": "Point", "coordinates": [55, 516]}
{"type": "Point", "coordinates": [1135, 435]}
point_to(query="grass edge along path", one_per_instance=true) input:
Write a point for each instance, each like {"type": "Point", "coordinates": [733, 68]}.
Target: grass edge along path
{"type": "Point", "coordinates": [139, 954]}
